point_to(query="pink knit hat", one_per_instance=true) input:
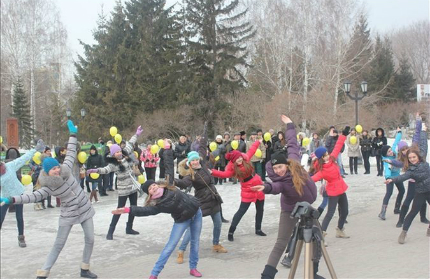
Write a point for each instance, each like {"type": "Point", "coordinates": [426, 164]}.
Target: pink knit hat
{"type": "Point", "coordinates": [401, 145]}
{"type": "Point", "coordinates": [114, 148]}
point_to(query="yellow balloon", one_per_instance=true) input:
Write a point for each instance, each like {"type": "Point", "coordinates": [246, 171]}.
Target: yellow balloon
{"type": "Point", "coordinates": [217, 158]}
{"type": "Point", "coordinates": [353, 140]}
{"type": "Point", "coordinates": [258, 153]}
{"type": "Point", "coordinates": [94, 175]}
{"type": "Point", "coordinates": [118, 138]}
{"type": "Point", "coordinates": [359, 128]}
{"type": "Point", "coordinates": [26, 180]}
{"type": "Point", "coordinates": [136, 154]}
{"type": "Point", "coordinates": [160, 143]}
{"type": "Point", "coordinates": [213, 146]}
{"type": "Point", "coordinates": [1, 139]}
{"type": "Point", "coordinates": [36, 158]}
{"type": "Point", "coordinates": [306, 141]}
{"type": "Point", "coordinates": [235, 144]}
{"type": "Point", "coordinates": [53, 155]}
{"type": "Point", "coordinates": [113, 131]}
{"type": "Point", "coordinates": [82, 157]}
{"type": "Point", "coordinates": [154, 149]}
{"type": "Point", "coordinates": [267, 136]}
{"type": "Point", "coordinates": [141, 179]}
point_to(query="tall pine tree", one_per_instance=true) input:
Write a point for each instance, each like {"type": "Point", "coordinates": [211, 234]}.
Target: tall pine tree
{"type": "Point", "coordinates": [21, 111]}
{"type": "Point", "coordinates": [403, 87]}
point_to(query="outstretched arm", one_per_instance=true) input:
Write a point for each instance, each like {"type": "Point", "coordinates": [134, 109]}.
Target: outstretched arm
{"type": "Point", "coordinates": [293, 148]}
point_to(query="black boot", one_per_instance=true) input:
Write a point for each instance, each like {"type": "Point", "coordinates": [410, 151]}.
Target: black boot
{"type": "Point", "coordinates": [109, 235]}
{"type": "Point", "coordinates": [320, 210]}
{"type": "Point", "coordinates": [403, 212]}
{"type": "Point", "coordinates": [269, 272]}
{"type": "Point", "coordinates": [260, 232]}
{"type": "Point", "coordinates": [129, 229]}
{"type": "Point", "coordinates": [230, 233]}
{"type": "Point", "coordinates": [88, 274]}
{"type": "Point", "coordinates": [397, 208]}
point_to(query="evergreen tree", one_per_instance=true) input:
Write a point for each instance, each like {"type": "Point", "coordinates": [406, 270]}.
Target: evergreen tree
{"type": "Point", "coordinates": [404, 87]}
{"type": "Point", "coordinates": [21, 111]}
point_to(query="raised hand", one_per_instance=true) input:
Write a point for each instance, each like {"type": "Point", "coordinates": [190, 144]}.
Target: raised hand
{"type": "Point", "coordinates": [73, 130]}
{"type": "Point", "coordinates": [139, 130]}
{"type": "Point", "coordinates": [40, 146]}
{"type": "Point", "coordinates": [286, 119]}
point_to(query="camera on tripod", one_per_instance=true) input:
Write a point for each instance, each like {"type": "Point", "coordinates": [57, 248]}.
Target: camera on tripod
{"type": "Point", "coordinates": [304, 210]}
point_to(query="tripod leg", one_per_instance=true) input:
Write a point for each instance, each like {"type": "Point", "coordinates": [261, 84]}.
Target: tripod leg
{"type": "Point", "coordinates": [328, 262]}
{"type": "Point", "coordinates": [308, 261]}
{"type": "Point", "coordinates": [296, 259]}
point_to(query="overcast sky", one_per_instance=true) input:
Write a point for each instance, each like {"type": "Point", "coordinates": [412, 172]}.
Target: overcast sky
{"type": "Point", "coordinates": [80, 16]}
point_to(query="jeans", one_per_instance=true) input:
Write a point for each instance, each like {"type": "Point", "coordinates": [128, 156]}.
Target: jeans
{"type": "Point", "coordinates": [333, 201]}
{"type": "Point", "coordinates": [339, 162]}
{"type": "Point", "coordinates": [121, 203]}
{"type": "Point", "coordinates": [19, 209]}
{"type": "Point", "coordinates": [216, 219]}
{"type": "Point", "coordinates": [111, 175]}
{"type": "Point", "coordinates": [150, 173]}
{"type": "Point", "coordinates": [259, 206]}
{"type": "Point", "coordinates": [324, 202]}
{"type": "Point", "coordinates": [60, 241]}
{"type": "Point", "coordinates": [419, 200]}
{"type": "Point", "coordinates": [389, 192]}
{"type": "Point", "coordinates": [366, 163]}
{"type": "Point", "coordinates": [353, 164]}
{"type": "Point", "coordinates": [195, 225]}
{"type": "Point", "coordinates": [379, 165]}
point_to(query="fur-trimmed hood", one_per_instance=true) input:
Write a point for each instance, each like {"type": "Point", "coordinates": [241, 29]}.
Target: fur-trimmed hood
{"type": "Point", "coordinates": [183, 168]}
{"type": "Point", "coordinates": [54, 181]}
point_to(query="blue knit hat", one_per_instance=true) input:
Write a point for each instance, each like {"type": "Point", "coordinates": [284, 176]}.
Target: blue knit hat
{"type": "Point", "coordinates": [320, 152]}
{"type": "Point", "coordinates": [49, 163]}
{"type": "Point", "coordinates": [192, 156]}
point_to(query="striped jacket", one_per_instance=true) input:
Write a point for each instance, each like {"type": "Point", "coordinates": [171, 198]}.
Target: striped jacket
{"type": "Point", "coordinates": [127, 183]}
{"type": "Point", "coordinates": [75, 206]}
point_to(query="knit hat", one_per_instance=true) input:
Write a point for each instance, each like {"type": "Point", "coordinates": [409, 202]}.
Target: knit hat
{"type": "Point", "coordinates": [384, 150]}
{"type": "Point", "coordinates": [114, 148]}
{"type": "Point", "coordinates": [192, 156]}
{"type": "Point", "coordinates": [401, 145]}
{"type": "Point", "coordinates": [233, 156]}
{"type": "Point", "coordinates": [49, 163]}
{"type": "Point", "coordinates": [218, 137]}
{"type": "Point", "coordinates": [279, 158]}
{"type": "Point", "coordinates": [146, 185]}
{"type": "Point", "coordinates": [320, 152]}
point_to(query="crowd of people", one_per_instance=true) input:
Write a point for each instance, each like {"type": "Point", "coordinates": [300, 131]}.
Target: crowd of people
{"type": "Point", "coordinates": [260, 164]}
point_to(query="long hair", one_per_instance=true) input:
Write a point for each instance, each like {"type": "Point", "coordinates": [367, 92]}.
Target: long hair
{"type": "Point", "coordinates": [413, 150]}
{"type": "Point", "coordinates": [312, 168]}
{"type": "Point", "coordinates": [283, 141]}
{"type": "Point", "coordinates": [404, 158]}
{"type": "Point", "coordinates": [162, 184]}
{"type": "Point", "coordinates": [299, 174]}
{"type": "Point", "coordinates": [239, 174]}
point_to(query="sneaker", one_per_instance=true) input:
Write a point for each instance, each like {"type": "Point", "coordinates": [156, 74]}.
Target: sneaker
{"type": "Point", "coordinates": [194, 272]}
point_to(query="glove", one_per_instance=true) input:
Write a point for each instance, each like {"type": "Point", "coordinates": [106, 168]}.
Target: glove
{"type": "Point", "coordinates": [73, 130]}
{"type": "Point", "coordinates": [94, 170]}
{"type": "Point", "coordinates": [40, 146]}
{"type": "Point", "coordinates": [345, 131]}
{"type": "Point", "coordinates": [139, 130]}
{"type": "Point", "coordinates": [6, 200]}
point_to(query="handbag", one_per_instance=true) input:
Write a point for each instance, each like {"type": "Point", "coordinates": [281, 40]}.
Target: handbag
{"type": "Point", "coordinates": [216, 195]}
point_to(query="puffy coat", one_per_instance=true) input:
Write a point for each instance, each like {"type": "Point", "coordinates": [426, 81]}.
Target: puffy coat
{"type": "Point", "coordinates": [366, 143]}
{"type": "Point", "coordinates": [247, 195]}
{"type": "Point", "coordinates": [420, 173]}
{"type": "Point", "coordinates": [389, 170]}
{"type": "Point", "coordinates": [93, 162]}
{"type": "Point", "coordinates": [169, 164]}
{"type": "Point", "coordinates": [221, 150]}
{"type": "Point", "coordinates": [378, 142]}
{"type": "Point", "coordinates": [75, 206]}
{"type": "Point", "coordinates": [330, 171]}
{"type": "Point", "coordinates": [353, 149]}
{"type": "Point", "coordinates": [181, 151]}
{"type": "Point", "coordinates": [181, 206]}
{"type": "Point", "coordinates": [149, 160]}
{"type": "Point", "coordinates": [284, 184]}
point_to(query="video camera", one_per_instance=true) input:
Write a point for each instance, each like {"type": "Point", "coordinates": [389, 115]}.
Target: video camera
{"type": "Point", "coordinates": [304, 210]}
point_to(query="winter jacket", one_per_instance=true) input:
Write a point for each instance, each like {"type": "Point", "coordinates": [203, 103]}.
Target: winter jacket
{"type": "Point", "coordinates": [139, 165]}
{"type": "Point", "coordinates": [181, 151]}
{"type": "Point", "coordinates": [389, 170]}
{"type": "Point", "coordinates": [315, 143]}
{"type": "Point", "coordinates": [93, 162]}
{"type": "Point", "coordinates": [169, 164]}
{"type": "Point", "coordinates": [149, 160]}
{"type": "Point", "coordinates": [330, 143]}
{"type": "Point", "coordinates": [353, 150]}
{"type": "Point", "coordinates": [420, 138]}
{"type": "Point", "coordinates": [284, 184]}
{"type": "Point", "coordinates": [330, 172]}
{"type": "Point", "coordinates": [278, 146]}
{"type": "Point", "coordinates": [10, 185]}
{"type": "Point", "coordinates": [242, 146]}
{"type": "Point", "coordinates": [378, 142]}
{"type": "Point", "coordinates": [261, 146]}
{"type": "Point", "coordinates": [366, 143]}
{"type": "Point", "coordinates": [12, 154]}
{"type": "Point", "coordinates": [247, 195]}
{"type": "Point", "coordinates": [203, 182]}
{"type": "Point", "coordinates": [126, 181]}
{"type": "Point", "coordinates": [75, 207]}
{"type": "Point", "coordinates": [181, 206]}
{"type": "Point", "coordinates": [221, 151]}
{"type": "Point", "coordinates": [269, 149]}
{"type": "Point", "coordinates": [420, 173]}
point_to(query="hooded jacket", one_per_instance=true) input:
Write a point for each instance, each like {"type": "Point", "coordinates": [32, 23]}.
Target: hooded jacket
{"type": "Point", "coordinates": [93, 162]}
{"type": "Point", "coordinates": [389, 170]}
{"type": "Point", "coordinates": [379, 141]}
{"type": "Point", "coordinates": [284, 184]}
{"type": "Point", "coordinates": [75, 206]}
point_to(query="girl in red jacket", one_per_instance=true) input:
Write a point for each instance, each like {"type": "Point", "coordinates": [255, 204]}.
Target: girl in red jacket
{"type": "Point", "coordinates": [328, 170]}
{"type": "Point", "coordinates": [240, 167]}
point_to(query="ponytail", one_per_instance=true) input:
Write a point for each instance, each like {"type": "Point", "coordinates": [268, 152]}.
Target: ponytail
{"type": "Point", "coordinates": [299, 174]}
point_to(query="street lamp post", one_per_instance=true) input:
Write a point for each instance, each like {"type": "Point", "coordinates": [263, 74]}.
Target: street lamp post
{"type": "Point", "coordinates": [356, 98]}
{"type": "Point", "coordinates": [69, 113]}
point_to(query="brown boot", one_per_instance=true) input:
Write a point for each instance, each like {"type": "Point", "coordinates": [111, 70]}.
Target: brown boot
{"type": "Point", "coordinates": [21, 241]}
{"type": "Point", "coordinates": [402, 237]}
{"type": "Point", "coordinates": [180, 258]}
{"type": "Point", "coordinates": [219, 249]}
{"type": "Point", "coordinates": [340, 233]}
